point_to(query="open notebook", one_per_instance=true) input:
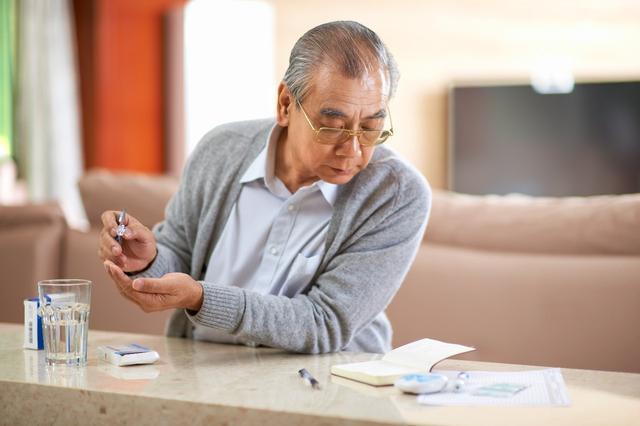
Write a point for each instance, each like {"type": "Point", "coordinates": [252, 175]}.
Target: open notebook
{"type": "Point", "coordinates": [417, 357]}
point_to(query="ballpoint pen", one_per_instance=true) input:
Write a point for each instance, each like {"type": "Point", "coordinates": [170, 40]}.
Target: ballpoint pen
{"type": "Point", "coordinates": [309, 378]}
{"type": "Point", "coordinates": [120, 230]}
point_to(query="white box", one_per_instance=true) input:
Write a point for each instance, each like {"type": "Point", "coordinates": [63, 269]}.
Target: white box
{"type": "Point", "coordinates": [33, 338]}
{"type": "Point", "coordinates": [128, 355]}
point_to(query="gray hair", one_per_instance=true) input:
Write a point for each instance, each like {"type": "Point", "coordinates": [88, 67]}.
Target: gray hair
{"type": "Point", "coordinates": [349, 45]}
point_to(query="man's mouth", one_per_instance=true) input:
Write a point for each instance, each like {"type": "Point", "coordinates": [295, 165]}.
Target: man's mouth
{"type": "Point", "coordinates": [341, 171]}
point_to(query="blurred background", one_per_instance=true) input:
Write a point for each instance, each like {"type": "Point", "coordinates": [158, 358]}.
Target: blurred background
{"type": "Point", "coordinates": [533, 96]}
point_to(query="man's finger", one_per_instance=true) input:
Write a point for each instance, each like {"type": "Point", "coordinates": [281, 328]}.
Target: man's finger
{"type": "Point", "coordinates": [122, 291]}
{"type": "Point", "coordinates": [131, 221]}
{"type": "Point", "coordinates": [135, 230]}
{"type": "Point", "coordinates": [153, 285]}
{"type": "Point", "coordinates": [106, 238]}
{"type": "Point", "coordinates": [147, 301]}
{"type": "Point", "coordinates": [130, 233]}
{"type": "Point", "coordinates": [120, 278]}
{"type": "Point", "coordinates": [108, 243]}
{"type": "Point", "coordinates": [121, 261]}
{"type": "Point", "coordinates": [109, 218]}
{"type": "Point", "coordinates": [110, 221]}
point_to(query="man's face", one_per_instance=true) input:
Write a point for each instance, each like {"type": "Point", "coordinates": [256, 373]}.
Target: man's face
{"type": "Point", "coordinates": [339, 102]}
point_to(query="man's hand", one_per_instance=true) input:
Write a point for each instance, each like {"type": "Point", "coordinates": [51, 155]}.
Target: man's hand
{"type": "Point", "coordinates": [174, 290]}
{"type": "Point", "coordinates": [138, 247]}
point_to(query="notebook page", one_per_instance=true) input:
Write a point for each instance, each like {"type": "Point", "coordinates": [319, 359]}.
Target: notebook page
{"type": "Point", "coordinates": [423, 354]}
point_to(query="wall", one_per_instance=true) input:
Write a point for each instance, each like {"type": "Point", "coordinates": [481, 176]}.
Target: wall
{"type": "Point", "coordinates": [439, 42]}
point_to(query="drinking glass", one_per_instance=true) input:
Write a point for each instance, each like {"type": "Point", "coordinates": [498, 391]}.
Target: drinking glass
{"type": "Point", "coordinates": [64, 308]}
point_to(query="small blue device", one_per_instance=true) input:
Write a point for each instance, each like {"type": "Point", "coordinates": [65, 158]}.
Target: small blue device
{"type": "Point", "coordinates": [422, 383]}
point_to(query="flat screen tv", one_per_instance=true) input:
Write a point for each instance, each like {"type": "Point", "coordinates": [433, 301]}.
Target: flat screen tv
{"type": "Point", "coordinates": [512, 139]}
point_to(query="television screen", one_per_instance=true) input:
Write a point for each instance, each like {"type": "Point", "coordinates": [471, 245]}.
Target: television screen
{"type": "Point", "coordinates": [512, 139]}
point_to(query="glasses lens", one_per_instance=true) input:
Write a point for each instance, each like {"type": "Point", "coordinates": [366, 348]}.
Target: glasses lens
{"type": "Point", "coordinates": [367, 137]}
{"type": "Point", "coordinates": [370, 137]}
{"type": "Point", "coordinates": [383, 137]}
{"type": "Point", "coordinates": [332, 136]}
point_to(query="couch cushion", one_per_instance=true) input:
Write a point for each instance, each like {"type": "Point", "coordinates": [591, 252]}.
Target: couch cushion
{"type": "Point", "coordinates": [143, 196]}
{"type": "Point", "coordinates": [31, 214]}
{"type": "Point", "coordinates": [608, 224]}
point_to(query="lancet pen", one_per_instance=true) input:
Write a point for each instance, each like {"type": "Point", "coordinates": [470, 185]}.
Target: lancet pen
{"type": "Point", "coordinates": [120, 230]}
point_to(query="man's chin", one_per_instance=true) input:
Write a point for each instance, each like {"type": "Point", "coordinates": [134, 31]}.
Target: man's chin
{"type": "Point", "coordinates": [338, 178]}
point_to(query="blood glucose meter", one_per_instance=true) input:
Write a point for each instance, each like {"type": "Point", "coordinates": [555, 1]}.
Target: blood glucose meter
{"type": "Point", "coordinates": [421, 383]}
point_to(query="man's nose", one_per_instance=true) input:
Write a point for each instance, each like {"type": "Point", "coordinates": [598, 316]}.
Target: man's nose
{"type": "Point", "coordinates": [350, 147]}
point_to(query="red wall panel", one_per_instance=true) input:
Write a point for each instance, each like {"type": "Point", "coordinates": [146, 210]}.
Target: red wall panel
{"type": "Point", "coordinates": [121, 58]}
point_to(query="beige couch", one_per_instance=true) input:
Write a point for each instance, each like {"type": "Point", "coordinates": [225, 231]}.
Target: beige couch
{"type": "Point", "coordinates": [528, 280]}
{"type": "Point", "coordinates": [525, 280]}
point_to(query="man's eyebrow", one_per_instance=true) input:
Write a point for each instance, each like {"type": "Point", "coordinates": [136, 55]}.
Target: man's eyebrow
{"type": "Point", "coordinates": [333, 113]}
{"type": "Point", "coordinates": [336, 113]}
{"type": "Point", "coordinates": [380, 114]}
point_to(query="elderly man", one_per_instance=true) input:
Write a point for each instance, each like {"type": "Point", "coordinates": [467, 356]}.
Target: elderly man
{"type": "Point", "coordinates": [293, 234]}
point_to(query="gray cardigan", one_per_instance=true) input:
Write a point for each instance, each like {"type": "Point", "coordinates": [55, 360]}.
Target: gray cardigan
{"type": "Point", "coordinates": [378, 221]}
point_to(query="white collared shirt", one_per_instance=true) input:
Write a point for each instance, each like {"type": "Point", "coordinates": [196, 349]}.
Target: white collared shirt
{"type": "Point", "coordinates": [273, 241]}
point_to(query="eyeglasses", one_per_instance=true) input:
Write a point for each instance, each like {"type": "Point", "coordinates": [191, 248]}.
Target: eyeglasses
{"type": "Point", "coordinates": [334, 136]}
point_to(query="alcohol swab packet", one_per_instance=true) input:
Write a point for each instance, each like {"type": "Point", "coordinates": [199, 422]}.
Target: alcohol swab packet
{"type": "Point", "coordinates": [499, 390]}
{"type": "Point", "coordinates": [128, 355]}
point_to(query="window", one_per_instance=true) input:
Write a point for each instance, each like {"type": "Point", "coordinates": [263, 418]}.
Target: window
{"type": "Point", "coordinates": [229, 64]}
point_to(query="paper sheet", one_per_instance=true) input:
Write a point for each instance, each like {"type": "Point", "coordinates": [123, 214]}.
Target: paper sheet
{"type": "Point", "coordinates": [544, 388]}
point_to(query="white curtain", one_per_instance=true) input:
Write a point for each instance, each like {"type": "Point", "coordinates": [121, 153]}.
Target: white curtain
{"type": "Point", "coordinates": [48, 123]}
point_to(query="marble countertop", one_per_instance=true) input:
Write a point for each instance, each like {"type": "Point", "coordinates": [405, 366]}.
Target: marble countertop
{"type": "Point", "coordinates": [198, 382]}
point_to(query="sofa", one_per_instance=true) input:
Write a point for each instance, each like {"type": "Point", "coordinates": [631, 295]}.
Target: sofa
{"type": "Point", "coordinates": [541, 281]}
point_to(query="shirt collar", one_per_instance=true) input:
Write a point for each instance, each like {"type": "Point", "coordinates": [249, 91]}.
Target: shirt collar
{"type": "Point", "coordinates": [329, 191]}
{"type": "Point", "coordinates": [257, 169]}
{"type": "Point", "coordinates": [263, 167]}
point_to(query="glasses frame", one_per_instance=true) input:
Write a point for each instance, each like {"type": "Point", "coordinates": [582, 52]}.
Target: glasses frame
{"type": "Point", "coordinates": [351, 133]}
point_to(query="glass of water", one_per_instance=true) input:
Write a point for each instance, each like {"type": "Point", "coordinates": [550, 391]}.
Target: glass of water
{"type": "Point", "coordinates": [64, 308]}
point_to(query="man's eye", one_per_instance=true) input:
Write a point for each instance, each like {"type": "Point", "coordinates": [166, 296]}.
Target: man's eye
{"type": "Point", "coordinates": [373, 125]}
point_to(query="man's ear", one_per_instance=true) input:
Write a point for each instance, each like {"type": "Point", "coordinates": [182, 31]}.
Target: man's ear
{"type": "Point", "coordinates": [285, 102]}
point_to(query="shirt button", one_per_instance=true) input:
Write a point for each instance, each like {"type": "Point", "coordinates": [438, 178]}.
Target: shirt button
{"type": "Point", "coordinates": [291, 207]}
{"type": "Point", "coordinates": [273, 251]}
